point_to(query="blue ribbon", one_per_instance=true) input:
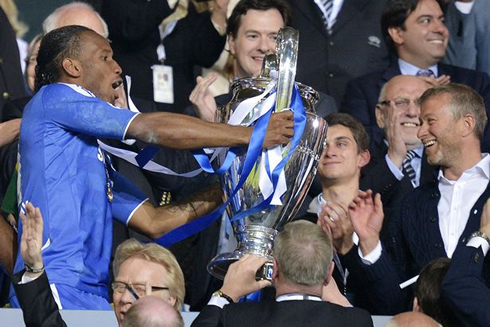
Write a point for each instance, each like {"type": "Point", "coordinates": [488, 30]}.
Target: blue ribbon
{"type": "Point", "coordinates": [197, 225]}
{"type": "Point", "coordinates": [254, 151]}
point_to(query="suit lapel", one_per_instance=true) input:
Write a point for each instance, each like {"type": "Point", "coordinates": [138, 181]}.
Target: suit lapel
{"type": "Point", "coordinates": [310, 10]}
{"type": "Point", "coordinates": [348, 12]}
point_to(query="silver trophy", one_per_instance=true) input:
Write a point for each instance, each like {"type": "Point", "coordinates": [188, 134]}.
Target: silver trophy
{"type": "Point", "coordinates": [255, 233]}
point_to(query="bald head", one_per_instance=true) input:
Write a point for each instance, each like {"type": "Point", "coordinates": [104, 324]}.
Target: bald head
{"type": "Point", "coordinates": [412, 319]}
{"type": "Point", "coordinates": [76, 13]}
{"type": "Point", "coordinates": [152, 311]}
{"type": "Point", "coordinates": [398, 99]}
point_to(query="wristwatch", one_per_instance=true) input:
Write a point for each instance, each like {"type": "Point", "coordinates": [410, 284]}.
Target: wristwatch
{"type": "Point", "coordinates": [482, 235]}
{"type": "Point", "coordinates": [223, 295]}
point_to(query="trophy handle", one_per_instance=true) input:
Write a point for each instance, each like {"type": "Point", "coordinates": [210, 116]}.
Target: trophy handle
{"type": "Point", "coordinates": [287, 52]}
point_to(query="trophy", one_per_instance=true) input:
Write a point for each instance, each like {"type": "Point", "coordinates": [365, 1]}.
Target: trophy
{"type": "Point", "coordinates": [255, 233]}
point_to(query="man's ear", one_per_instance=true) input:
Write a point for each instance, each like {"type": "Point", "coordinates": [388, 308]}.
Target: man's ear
{"type": "Point", "coordinates": [416, 307]}
{"type": "Point", "coordinates": [275, 270]}
{"type": "Point", "coordinates": [396, 35]}
{"type": "Point", "coordinates": [72, 67]}
{"type": "Point", "coordinates": [469, 123]}
{"type": "Point", "coordinates": [380, 116]}
{"type": "Point", "coordinates": [231, 44]}
{"type": "Point", "coordinates": [365, 158]}
{"type": "Point", "coordinates": [329, 274]}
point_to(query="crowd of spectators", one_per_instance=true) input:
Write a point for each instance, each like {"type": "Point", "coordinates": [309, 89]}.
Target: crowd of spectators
{"type": "Point", "coordinates": [402, 184]}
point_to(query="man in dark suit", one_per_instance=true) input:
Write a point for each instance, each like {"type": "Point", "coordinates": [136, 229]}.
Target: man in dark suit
{"type": "Point", "coordinates": [348, 46]}
{"type": "Point", "coordinates": [416, 34]}
{"type": "Point", "coordinates": [398, 164]}
{"type": "Point", "coordinates": [436, 217]}
{"type": "Point", "coordinates": [302, 266]}
{"type": "Point", "coordinates": [464, 287]}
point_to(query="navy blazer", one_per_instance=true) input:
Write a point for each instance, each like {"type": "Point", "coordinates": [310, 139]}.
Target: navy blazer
{"type": "Point", "coordinates": [286, 313]}
{"type": "Point", "coordinates": [413, 240]}
{"type": "Point", "coordinates": [361, 95]}
{"type": "Point", "coordinates": [463, 288]}
{"type": "Point", "coordinates": [377, 176]}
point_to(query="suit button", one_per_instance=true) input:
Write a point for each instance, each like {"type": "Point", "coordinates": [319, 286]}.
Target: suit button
{"type": "Point", "coordinates": [432, 219]}
{"type": "Point", "coordinates": [477, 257]}
{"type": "Point", "coordinates": [330, 75]}
{"type": "Point", "coordinates": [438, 245]}
{"type": "Point", "coordinates": [434, 195]}
{"type": "Point", "coordinates": [331, 43]}
{"type": "Point", "coordinates": [6, 95]}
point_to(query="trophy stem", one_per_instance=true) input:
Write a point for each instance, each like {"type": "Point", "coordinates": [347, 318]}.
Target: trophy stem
{"type": "Point", "coordinates": [253, 239]}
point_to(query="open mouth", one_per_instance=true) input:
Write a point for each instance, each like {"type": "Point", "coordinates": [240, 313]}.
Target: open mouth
{"type": "Point", "coordinates": [430, 143]}
{"type": "Point", "coordinates": [409, 124]}
{"type": "Point", "coordinates": [116, 84]}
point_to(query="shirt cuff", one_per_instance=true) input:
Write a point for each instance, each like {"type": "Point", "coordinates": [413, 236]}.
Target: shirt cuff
{"type": "Point", "coordinates": [477, 242]}
{"type": "Point", "coordinates": [218, 301]}
{"type": "Point", "coordinates": [25, 279]}
{"type": "Point", "coordinates": [464, 7]}
{"type": "Point", "coordinates": [397, 172]}
{"type": "Point", "coordinates": [372, 256]}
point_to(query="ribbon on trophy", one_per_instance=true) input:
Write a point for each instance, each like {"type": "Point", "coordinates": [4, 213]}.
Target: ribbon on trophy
{"type": "Point", "coordinates": [253, 152]}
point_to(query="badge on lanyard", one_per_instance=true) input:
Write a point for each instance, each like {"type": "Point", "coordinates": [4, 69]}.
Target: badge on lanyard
{"type": "Point", "coordinates": [163, 84]}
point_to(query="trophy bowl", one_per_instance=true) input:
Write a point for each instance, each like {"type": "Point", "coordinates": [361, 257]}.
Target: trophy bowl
{"type": "Point", "coordinates": [255, 233]}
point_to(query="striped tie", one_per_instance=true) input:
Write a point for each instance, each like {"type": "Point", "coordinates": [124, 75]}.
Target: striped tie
{"type": "Point", "coordinates": [407, 166]}
{"type": "Point", "coordinates": [425, 73]}
{"type": "Point", "coordinates": [327, 12]}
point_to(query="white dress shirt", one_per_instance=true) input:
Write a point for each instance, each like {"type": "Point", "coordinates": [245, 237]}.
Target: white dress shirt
{"type": "Point", "coordinates": [457, 199]}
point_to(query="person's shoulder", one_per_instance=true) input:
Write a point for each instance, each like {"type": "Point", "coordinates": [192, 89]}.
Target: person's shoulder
{"type": "Point", "coordinates": [456, 71]}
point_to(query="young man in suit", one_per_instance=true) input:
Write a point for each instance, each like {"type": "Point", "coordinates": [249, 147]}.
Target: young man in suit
{"type": "Point", "coordinates": [417, 37]}
{"type": "Point", "coordinates": [302, 266]}
{"type": "Point", "coordinates": [434, 218]}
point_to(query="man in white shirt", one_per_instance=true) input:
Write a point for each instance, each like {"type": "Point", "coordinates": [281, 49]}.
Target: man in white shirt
{"type": "Point", "coordinates": [434, 218]}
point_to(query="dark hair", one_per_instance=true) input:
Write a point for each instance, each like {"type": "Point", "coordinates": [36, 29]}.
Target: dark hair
{"type": "Point", "coordinates": [464, 101]}
{"type": "Point", "coordinates": [428, 292]}
{"type": "Point", "coordinates": [395, 13]}
{"type": "Point", "coordinates": [244, 6]}
{"type": "Point", "coordinates": [358, 131]}
{"type": "Point", "coordinates": [55, 46]}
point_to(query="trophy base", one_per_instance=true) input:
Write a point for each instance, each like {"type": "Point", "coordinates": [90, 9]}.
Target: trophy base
{"type": "Point", "coordinates": [256, 240]}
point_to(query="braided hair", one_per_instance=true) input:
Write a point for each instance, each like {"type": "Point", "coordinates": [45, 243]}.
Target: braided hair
{"type": "Point", "coordinates": [61, 43]}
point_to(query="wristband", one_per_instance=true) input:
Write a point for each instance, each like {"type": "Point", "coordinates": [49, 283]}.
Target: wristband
{"type": "Point", "coordinates": [33, 270]}
{"type": "Point", "coordinates": [482, 235]}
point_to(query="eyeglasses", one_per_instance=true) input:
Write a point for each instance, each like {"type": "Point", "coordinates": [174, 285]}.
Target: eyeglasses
{"type": "Point", "coordinates": [136, 290]}
{"type": "Point", "coordinates": [400, 103]}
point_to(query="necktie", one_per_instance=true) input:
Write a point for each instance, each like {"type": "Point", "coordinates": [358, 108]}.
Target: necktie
{"type": "Point", "coordinates": [327, 12]}
{"type": "Point", "coordinates": [425, 73]}
{"type": "Point", "coordinates": [407, 166]}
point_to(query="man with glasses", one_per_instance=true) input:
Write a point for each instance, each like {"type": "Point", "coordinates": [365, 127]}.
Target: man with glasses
{"type": "Point", "coordinates": [398, 164]}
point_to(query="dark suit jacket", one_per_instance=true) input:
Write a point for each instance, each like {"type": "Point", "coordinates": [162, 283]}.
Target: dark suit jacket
{"type": "Point", "coordinates": [378, 177]}
{"type": "Point", "coordinates": [12, 85]}
{"type": "Point", "coordinates": [287, 313]}
{"type": "Point", "coordinates": [37, 302]}
{"type": "Point", "coordinates": [361, 95]}
{"type": "Point", "coordinates": [463, 288]}
{"type": "Point", "coordinates": [413, 240]}
{"type": "Point", "coordinates": [327, 62]}
{"type": "Point", "coordinates": [133, 27]}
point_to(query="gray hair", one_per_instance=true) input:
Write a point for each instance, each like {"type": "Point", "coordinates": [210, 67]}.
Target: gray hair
{"type": "Point", "coordinates": [52, 21]}
{"type": "Point", "coordinates": [303, 252]}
